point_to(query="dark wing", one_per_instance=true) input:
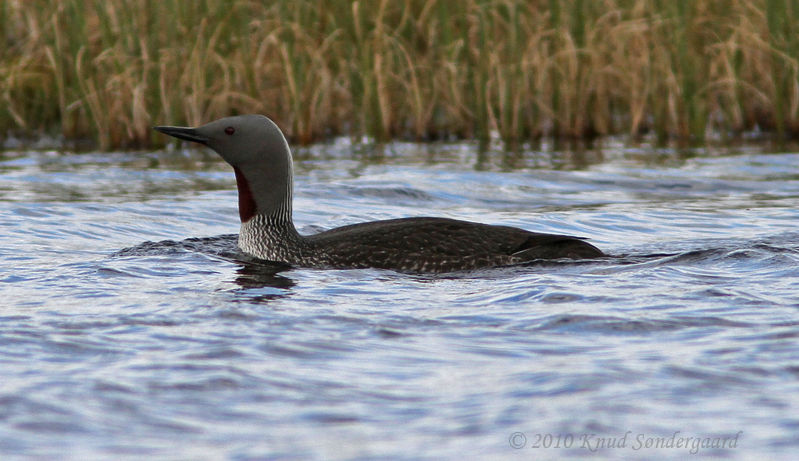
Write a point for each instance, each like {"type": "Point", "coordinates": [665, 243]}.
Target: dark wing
{"type": "Point", "coordinates": [443, 242]}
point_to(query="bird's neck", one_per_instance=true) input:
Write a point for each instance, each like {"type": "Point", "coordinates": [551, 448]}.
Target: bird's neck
{"type": "Point", "coordinates": [272, 239]}
{"type": "Point", "coordinates": [267, 228]}
{"type": "Point", "coordinates": [262, 192]}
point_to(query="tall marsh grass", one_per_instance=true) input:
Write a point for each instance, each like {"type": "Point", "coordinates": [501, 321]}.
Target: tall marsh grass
{"type": "Point", "coordinates": [423, 69]}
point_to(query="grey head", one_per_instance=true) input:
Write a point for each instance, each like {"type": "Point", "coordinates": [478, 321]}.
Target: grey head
{"type": "Point", "coordinates": [259, 154]}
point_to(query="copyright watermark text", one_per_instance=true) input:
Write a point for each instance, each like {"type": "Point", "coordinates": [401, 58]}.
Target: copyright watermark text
{"type": "Point", "coordinates": [628, 440]}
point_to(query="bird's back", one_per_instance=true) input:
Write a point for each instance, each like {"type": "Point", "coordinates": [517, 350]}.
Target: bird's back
{"type": "Point", "coordinates": [440, 245]}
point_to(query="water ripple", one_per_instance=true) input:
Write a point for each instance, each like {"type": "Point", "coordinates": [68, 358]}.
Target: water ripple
{"type": "Point", "coordinates": [132, 326]}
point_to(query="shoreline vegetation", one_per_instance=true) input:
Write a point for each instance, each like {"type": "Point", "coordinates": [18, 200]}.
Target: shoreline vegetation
{"type": "Point", "coordinates": [520, 70]}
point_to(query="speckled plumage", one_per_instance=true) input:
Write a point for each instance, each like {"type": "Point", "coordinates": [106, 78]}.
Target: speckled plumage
{"type": "Point", "coordinates": [257, 150]}
{"type": "Point", "coordinates": [409, 244]}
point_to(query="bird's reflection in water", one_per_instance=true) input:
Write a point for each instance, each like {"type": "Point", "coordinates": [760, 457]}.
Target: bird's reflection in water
{"type": "Point", "coordinates": [259, 281]}
{"type": "Point", "coordinates": [254, 274]}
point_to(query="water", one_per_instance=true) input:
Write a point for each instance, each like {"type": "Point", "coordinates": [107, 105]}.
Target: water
{"type": "Point", "coordinates": [180, 349]}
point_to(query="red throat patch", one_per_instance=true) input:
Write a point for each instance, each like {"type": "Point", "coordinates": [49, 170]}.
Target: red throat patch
{"type": "Point", "coordinates": [246, 200]}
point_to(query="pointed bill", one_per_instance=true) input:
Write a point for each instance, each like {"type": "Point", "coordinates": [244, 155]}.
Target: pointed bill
{"type": "Point", "coordinates": [184, 133]}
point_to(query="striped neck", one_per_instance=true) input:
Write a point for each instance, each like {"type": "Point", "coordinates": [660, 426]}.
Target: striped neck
{"type": "Point", "coordinates": [268, 232]}
{"type": "Point", "coordinates": [272, 237]}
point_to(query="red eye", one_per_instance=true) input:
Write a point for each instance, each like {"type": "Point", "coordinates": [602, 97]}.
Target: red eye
{"type": "Point", "coordinates": [230, 130]}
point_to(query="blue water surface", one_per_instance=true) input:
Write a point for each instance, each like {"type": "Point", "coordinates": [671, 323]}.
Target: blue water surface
{"type": "Point", "coordinates": [130, 327]}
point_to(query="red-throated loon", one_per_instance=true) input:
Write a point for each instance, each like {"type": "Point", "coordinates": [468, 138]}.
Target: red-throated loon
{"type": "Point", "coordinates": [261, 160]}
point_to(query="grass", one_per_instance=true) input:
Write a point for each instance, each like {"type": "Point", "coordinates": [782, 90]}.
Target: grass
{"type": "Point", "coordinates": [420, 69]}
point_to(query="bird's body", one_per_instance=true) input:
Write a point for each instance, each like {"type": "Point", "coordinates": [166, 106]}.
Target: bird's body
{"type": "Point", "coordinates": [407, 244]}
{"type": "Point", "coordinates": [261, 159]}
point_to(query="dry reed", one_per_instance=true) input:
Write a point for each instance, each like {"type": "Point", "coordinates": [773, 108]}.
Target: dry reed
{"type": "Point", "coordinates": [422, 69]}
